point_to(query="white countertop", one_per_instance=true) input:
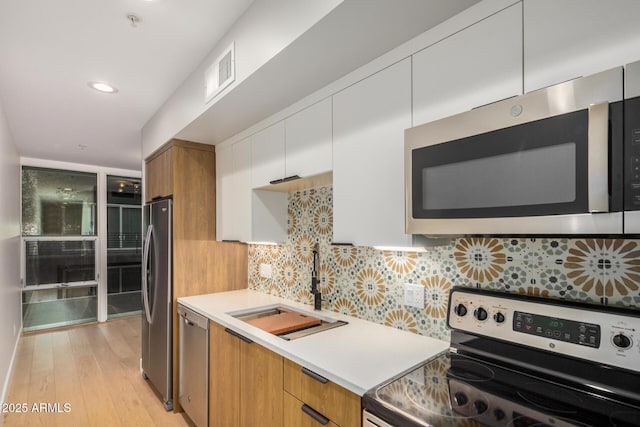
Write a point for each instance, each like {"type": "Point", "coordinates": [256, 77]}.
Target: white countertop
{"type": "Point", "coordinates": [357, 356]}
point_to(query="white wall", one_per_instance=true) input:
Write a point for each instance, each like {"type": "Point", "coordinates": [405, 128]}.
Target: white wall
{"type": "Point", "coordinates": [261, 33]}
{"type": "Point", "coordinates": [10, 301]}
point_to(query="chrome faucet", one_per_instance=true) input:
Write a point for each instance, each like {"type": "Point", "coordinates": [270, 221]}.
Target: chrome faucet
{"type": "Point", "coordinates": [317, 295]}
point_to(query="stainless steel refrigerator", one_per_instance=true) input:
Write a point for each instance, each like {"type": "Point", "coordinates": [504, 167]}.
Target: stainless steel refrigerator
{"type": "Point", "coordinates": [157, 320]}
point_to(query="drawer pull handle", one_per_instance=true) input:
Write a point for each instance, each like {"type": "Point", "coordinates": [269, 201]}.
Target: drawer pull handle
{"type": "Point", "coordinates": [315, 414]}
{"type": "Point", "coordinates": [315, 376]}
{"type": "Point", "coordinates": [237, 335]}
{"type": "Point", "coordinates": [283, 180]}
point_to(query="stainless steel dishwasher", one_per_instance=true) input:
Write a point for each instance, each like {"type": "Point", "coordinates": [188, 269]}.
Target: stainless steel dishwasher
{"type": "Point", "coordinates": [193, 391]}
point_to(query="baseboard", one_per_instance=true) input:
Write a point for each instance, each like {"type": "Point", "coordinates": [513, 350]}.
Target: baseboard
{"type": "Point", "coordinates": [7, 383]}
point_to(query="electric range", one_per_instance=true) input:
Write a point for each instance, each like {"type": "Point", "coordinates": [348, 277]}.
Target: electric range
{"type": "Point", "coordinates": [521, 361]}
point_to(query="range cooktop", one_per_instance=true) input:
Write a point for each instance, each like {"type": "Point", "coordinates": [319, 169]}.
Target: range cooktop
{"type": "Point", "coordinates": [520, 361]}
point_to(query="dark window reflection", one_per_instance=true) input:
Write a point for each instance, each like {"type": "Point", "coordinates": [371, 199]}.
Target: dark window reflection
{"type": "Point", "coordinates": [58, 202]}
{"type": "Point", "coordinates": [124, 245]}
{"type": "Point", "coordinates": [49, 262]}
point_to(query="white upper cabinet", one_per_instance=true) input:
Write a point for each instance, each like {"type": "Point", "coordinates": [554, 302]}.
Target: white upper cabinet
{"type": "Point", "coordinates": [245, 214]}
{"type": "Point", "coordinates": [224, 193]}
{"type": "Point", "coordinates": [477, 66]}
{"type": "Point", "coordinates": [267, 155]}
{"type": "Point", "coordinates": [233, 187]}
{"type": "Point", "coordinates": [572, 38]}
{"type": "Point", "coordinates": [369, 119]}
{"type": "Point", "coordinates": [299, 145]}
{"type": "Point", "coordinates": [308, 139]}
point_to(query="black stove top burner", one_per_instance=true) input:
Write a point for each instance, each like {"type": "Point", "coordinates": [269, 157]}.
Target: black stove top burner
{"type": "Point", "coordinates": [546, 397]}
{"type": "Point", "coordinates": [625, 419]}
{"type": "Point", "coordinates": [524, 421]}
{"type": "Point", "coordinates": [470, 370]}
{"type": "Point", "coordinates": [456, 390]}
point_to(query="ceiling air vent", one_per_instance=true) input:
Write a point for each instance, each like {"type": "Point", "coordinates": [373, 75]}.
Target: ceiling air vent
{"type": "Point", "coordinates": [220, 74]}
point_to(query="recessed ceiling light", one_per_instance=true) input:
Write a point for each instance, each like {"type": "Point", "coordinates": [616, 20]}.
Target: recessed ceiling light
{"type": "Point", "coordinates": [133, 20]}
{"type": "Point", "coordinates": [103, 87]}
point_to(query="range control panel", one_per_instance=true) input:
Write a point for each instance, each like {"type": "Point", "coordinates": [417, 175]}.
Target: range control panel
{"type": "Point", "coordinates": [581, 333]}
{"type": "Point", "coordinates": [596, 333]}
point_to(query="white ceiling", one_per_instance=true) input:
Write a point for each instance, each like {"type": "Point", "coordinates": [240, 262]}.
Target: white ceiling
{"type": "Point", "coordinates": [50, 50]}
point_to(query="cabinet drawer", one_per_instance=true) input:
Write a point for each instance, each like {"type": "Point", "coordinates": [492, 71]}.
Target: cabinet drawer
{"type": "Point", "coordinates": [297, 414]}
{"type": "Point", "coordinates": [331, 400]}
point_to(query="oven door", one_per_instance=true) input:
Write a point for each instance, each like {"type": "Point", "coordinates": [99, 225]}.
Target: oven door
{"type": "Point", "coordinates": [535, 164]}
{"type": "Point", "coordinates": [370, 420]}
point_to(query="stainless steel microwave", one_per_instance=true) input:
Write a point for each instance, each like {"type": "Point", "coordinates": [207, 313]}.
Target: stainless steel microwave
{"type": "Point", "coordinates": [550, 161]}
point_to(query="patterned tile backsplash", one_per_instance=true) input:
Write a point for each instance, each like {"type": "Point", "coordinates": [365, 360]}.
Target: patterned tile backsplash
{"type": "Point", "coordinates": [367, 283]}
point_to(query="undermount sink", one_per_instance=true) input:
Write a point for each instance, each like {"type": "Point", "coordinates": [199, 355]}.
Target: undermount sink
{"type": "Point", "coordinates": [285, 322]}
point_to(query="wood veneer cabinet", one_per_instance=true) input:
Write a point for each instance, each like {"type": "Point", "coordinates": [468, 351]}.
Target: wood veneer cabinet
{"type": "Point", "coordinates": [245, 384]}
{"type": "Point", "coordinates": [224, 378]}
{"type": "Point", "coordinates": [324, 397]}
{"type": "Point", "coordinates": [159, 175]}
{"type": "Point", "coordinates": [185, 171]}
{"type": "Point", "coordinates": [294, 416]}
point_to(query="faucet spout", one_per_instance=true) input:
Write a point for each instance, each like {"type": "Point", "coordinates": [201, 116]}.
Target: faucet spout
{"type": "Point", "coordinates": [317, 295]}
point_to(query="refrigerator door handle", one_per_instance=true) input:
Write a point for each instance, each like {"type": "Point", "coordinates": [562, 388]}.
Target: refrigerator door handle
{"type": "Point", "coordinates": [145, 272]}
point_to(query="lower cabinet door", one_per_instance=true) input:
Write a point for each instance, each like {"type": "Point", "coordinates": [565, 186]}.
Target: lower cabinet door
{"type": "Point", "coordinates": [297, 414]}
{"type": "Point", "coordinates": [260, 386]}
{"type": "Point", "coordinates": [224, 378]}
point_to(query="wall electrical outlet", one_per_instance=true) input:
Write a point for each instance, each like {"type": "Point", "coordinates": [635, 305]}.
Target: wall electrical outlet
{"type": "Point", "coordinates": [414, 295]}
{"type": "Point", "coordinates": [265, 271]}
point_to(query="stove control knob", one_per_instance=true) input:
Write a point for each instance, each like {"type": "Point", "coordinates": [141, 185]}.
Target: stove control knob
{"type": "Point", "coordinates": [460, 398]}
{"type": "Point", "coordinates": [460, 310]}
{"type": "Point", "coordinates": [480, 406]}
{"type": "Point", "coordinates": [498, 317]}
{"type": "Point", "coordinates": [621, 341]}
{"type": "Point", "coordinates": [480, 313]}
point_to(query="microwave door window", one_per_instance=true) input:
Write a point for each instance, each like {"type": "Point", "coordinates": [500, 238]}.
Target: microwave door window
{"type": "Point", "coordinates": [532, 177]}
{"type": "Point", "coordinates": [536, 168]}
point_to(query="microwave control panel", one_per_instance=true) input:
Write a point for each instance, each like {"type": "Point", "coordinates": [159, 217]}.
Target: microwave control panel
{"type": "Point", "coordinates": [632, 154]}
{"type": "Point", "coordinates": [609, 336]}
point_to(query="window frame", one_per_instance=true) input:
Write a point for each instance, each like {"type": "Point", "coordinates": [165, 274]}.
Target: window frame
{"type": "Point", "coordinates": [121, 207]}
{"type": "Point", "coordinates": [101, 217]}
{"type": "Point", "coordinates": [23, 262]}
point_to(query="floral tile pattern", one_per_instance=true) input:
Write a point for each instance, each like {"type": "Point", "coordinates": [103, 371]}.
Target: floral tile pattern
{"type": "Point", "coordinates": [367, 283]}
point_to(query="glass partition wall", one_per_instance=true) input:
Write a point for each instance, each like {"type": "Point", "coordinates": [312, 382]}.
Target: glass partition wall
{"type": "Point", "coordinates": [124, 246]}
{"type": "Point", "coordinates": [59, 248]}
{"type": "Point", "coordinates": [61, 251]}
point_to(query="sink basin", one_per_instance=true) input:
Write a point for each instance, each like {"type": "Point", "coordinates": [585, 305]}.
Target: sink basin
{"type": "Point", "coordinates": [286, 322]}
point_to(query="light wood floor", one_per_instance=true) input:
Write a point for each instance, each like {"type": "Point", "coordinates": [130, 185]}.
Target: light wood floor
{"type": "Point", "coordinates": [95, 369]}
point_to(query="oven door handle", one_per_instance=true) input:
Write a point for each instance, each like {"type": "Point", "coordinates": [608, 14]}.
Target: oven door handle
{"type": "Point", "coordinates": [598, 146]}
